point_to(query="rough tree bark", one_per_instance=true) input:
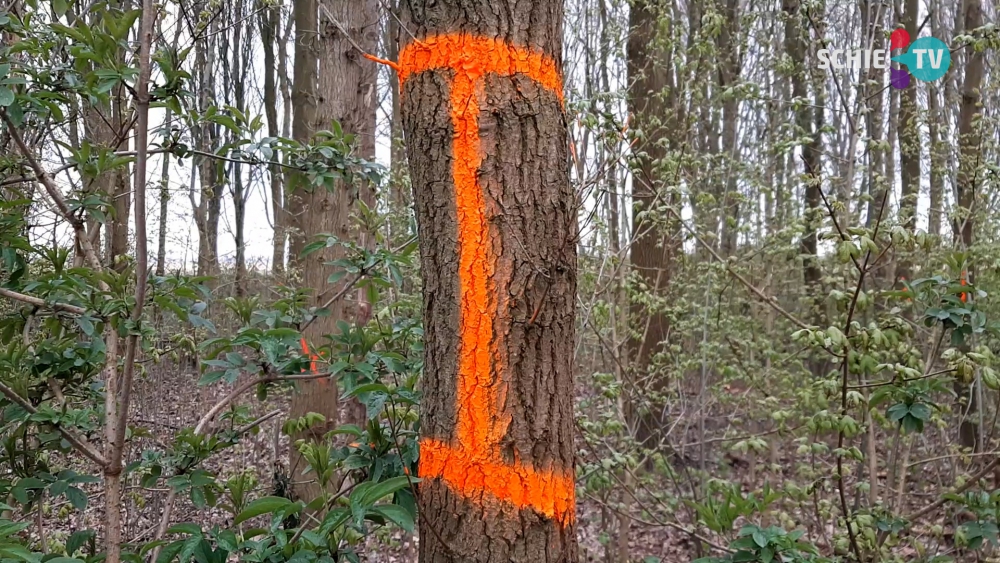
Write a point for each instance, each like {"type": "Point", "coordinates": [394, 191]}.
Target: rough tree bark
{"type": "Point", "coordinates": [487, 141]}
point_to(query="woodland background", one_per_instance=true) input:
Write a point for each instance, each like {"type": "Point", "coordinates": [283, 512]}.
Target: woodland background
{"type": "Point", "coordinates": [786, 317]}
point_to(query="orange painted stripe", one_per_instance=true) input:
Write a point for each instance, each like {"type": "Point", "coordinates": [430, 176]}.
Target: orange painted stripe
{"type": "Point", "coordinates": [474, 467]}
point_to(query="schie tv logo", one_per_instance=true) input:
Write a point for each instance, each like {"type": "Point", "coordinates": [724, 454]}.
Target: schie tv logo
{"type": "Point", "coordinates": [927, 59]}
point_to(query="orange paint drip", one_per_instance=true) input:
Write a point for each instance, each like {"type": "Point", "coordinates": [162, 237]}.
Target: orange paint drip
{"type": "Point", "coordinates": [473, 467]}
{"type": "Point", "coordinates": [385, 62]}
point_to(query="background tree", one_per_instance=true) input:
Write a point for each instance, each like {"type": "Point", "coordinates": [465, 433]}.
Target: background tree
{"type": "Point", "coordinates": [345, 100]}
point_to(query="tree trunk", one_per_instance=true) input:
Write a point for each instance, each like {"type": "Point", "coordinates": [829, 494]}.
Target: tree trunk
{"type": "Point", "coordinates": [303, 113]}
{"type": "Point", "coordinates": [206, 134]}
{"type": "Point", "coordinates": [969, 143]}
{"type": "Point", "coordinates": [240, 192]}
{"type": "Point", "coordinates": [121, 191]}
{"type": "Point", "coordinates": [488, 146]}
{"type": "Point", "coordinates": [874, 91]}
{"type": "Point", "coordinates": [161, 234]}
{"type": "Point", "coordinates": [729, 76]}
{"type": "Point", "coordinates": [908, 133]}
{"type": "Point", "coordinates": [938, 154]}
{"type": "Point", "coordinates": [270, 19]}
{"type": "Point", "coordinates": [345, 94]}
{"type": "Point", "coordinates": [653, 246]}
{"type": "Point", "coordinates": [809, 121]}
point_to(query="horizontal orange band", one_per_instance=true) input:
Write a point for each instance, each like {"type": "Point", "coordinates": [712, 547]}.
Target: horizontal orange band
{"type": "Point", "coordinates": [550, 493]}
{"type": "Point", "coordinates": [477, 57]}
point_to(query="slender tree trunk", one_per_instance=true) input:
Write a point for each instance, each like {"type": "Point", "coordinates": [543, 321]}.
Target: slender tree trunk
{"type": "Point", "coordinates": [729, 76]}
{"type": "Point", "coordinates": [809, 120]}
{"type": "Point", "coordinates": [241, 68]}
{"type": "Point", "coordinates": [103, 128]}
{"type": "Point", "coordinates": [270, 20]}
{"type": "Point", "coordinates": [201, 199]}
{"type": "Point", "coordinates": [398, 154]}
{"type": "Point", "coordinates": [970, 146]}
{"type": "Point", "coordinates": [304, 94]}
{"type": "Point", "coordinates": [161, 234]}
{"type": "Point", "coordinates": [874, 92]}
{"type": "Point", "coordinates": [220, 176]}
{"type": "Point", "coordinates": [938, 155]}
{"type": "Point", "coordinates": [487, 141]}
{"type": "Point", "coordinates": [938, 149]}
{"type": "Point", "coordinates": [909, 144]}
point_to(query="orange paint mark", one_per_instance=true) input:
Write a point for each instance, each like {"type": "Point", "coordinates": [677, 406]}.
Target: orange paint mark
{"type": "Point", "coordinates": [473, 467]}
{"type": "Point", "coordinates": [312, 359]}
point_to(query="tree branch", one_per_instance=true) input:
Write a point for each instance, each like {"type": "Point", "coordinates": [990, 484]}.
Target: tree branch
{"type": "Point", "coordinates": [79, 442]}
{"type": "Point", "coordinates": [38, 302]}
{"type": "Point", "coordinates": [57, 197]}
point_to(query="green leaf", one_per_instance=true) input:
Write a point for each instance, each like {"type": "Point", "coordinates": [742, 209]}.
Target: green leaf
{"type": "Point", "coordinates": [6, 97]}
{"type": "Point", "coordinates": [78, 539]}
{"type": "Point", "coordinates": [168, 553]}
{"type": "Point", "coordinates": [396, 514]}
{"type": "Point", "coordinates": [15, 551]}
{"type": "Point", "coordinates": [911, 423]}
{"type": "Point", "coordinates": [198, 497]}
{"type": "Point", "coordinates": [367, 388]}
{"type": "Point", "coordinates": [185, 528]}
{"type": "Point", "coordinates": [921, 411]}
{"type": "Point", "coordinates": [387, 487]}
{"type": "Point", "coordinates": [77, 498]}
{"type": "Point", "coordinates": [86, 325]}
{"type": "Point", "coordinates": [897, 412]}
{"type": "Point", "coordinates": [8, 528]}
{"type": "Point", "coordinates": [260, 506]}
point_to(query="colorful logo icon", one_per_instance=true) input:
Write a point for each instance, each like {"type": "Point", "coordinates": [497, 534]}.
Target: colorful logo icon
{"type": "Point", "coordinates": [927, 59]}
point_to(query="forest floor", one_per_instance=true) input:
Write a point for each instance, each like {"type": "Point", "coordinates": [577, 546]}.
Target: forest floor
{"type": "Point", "coordinates": [167, 399]}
